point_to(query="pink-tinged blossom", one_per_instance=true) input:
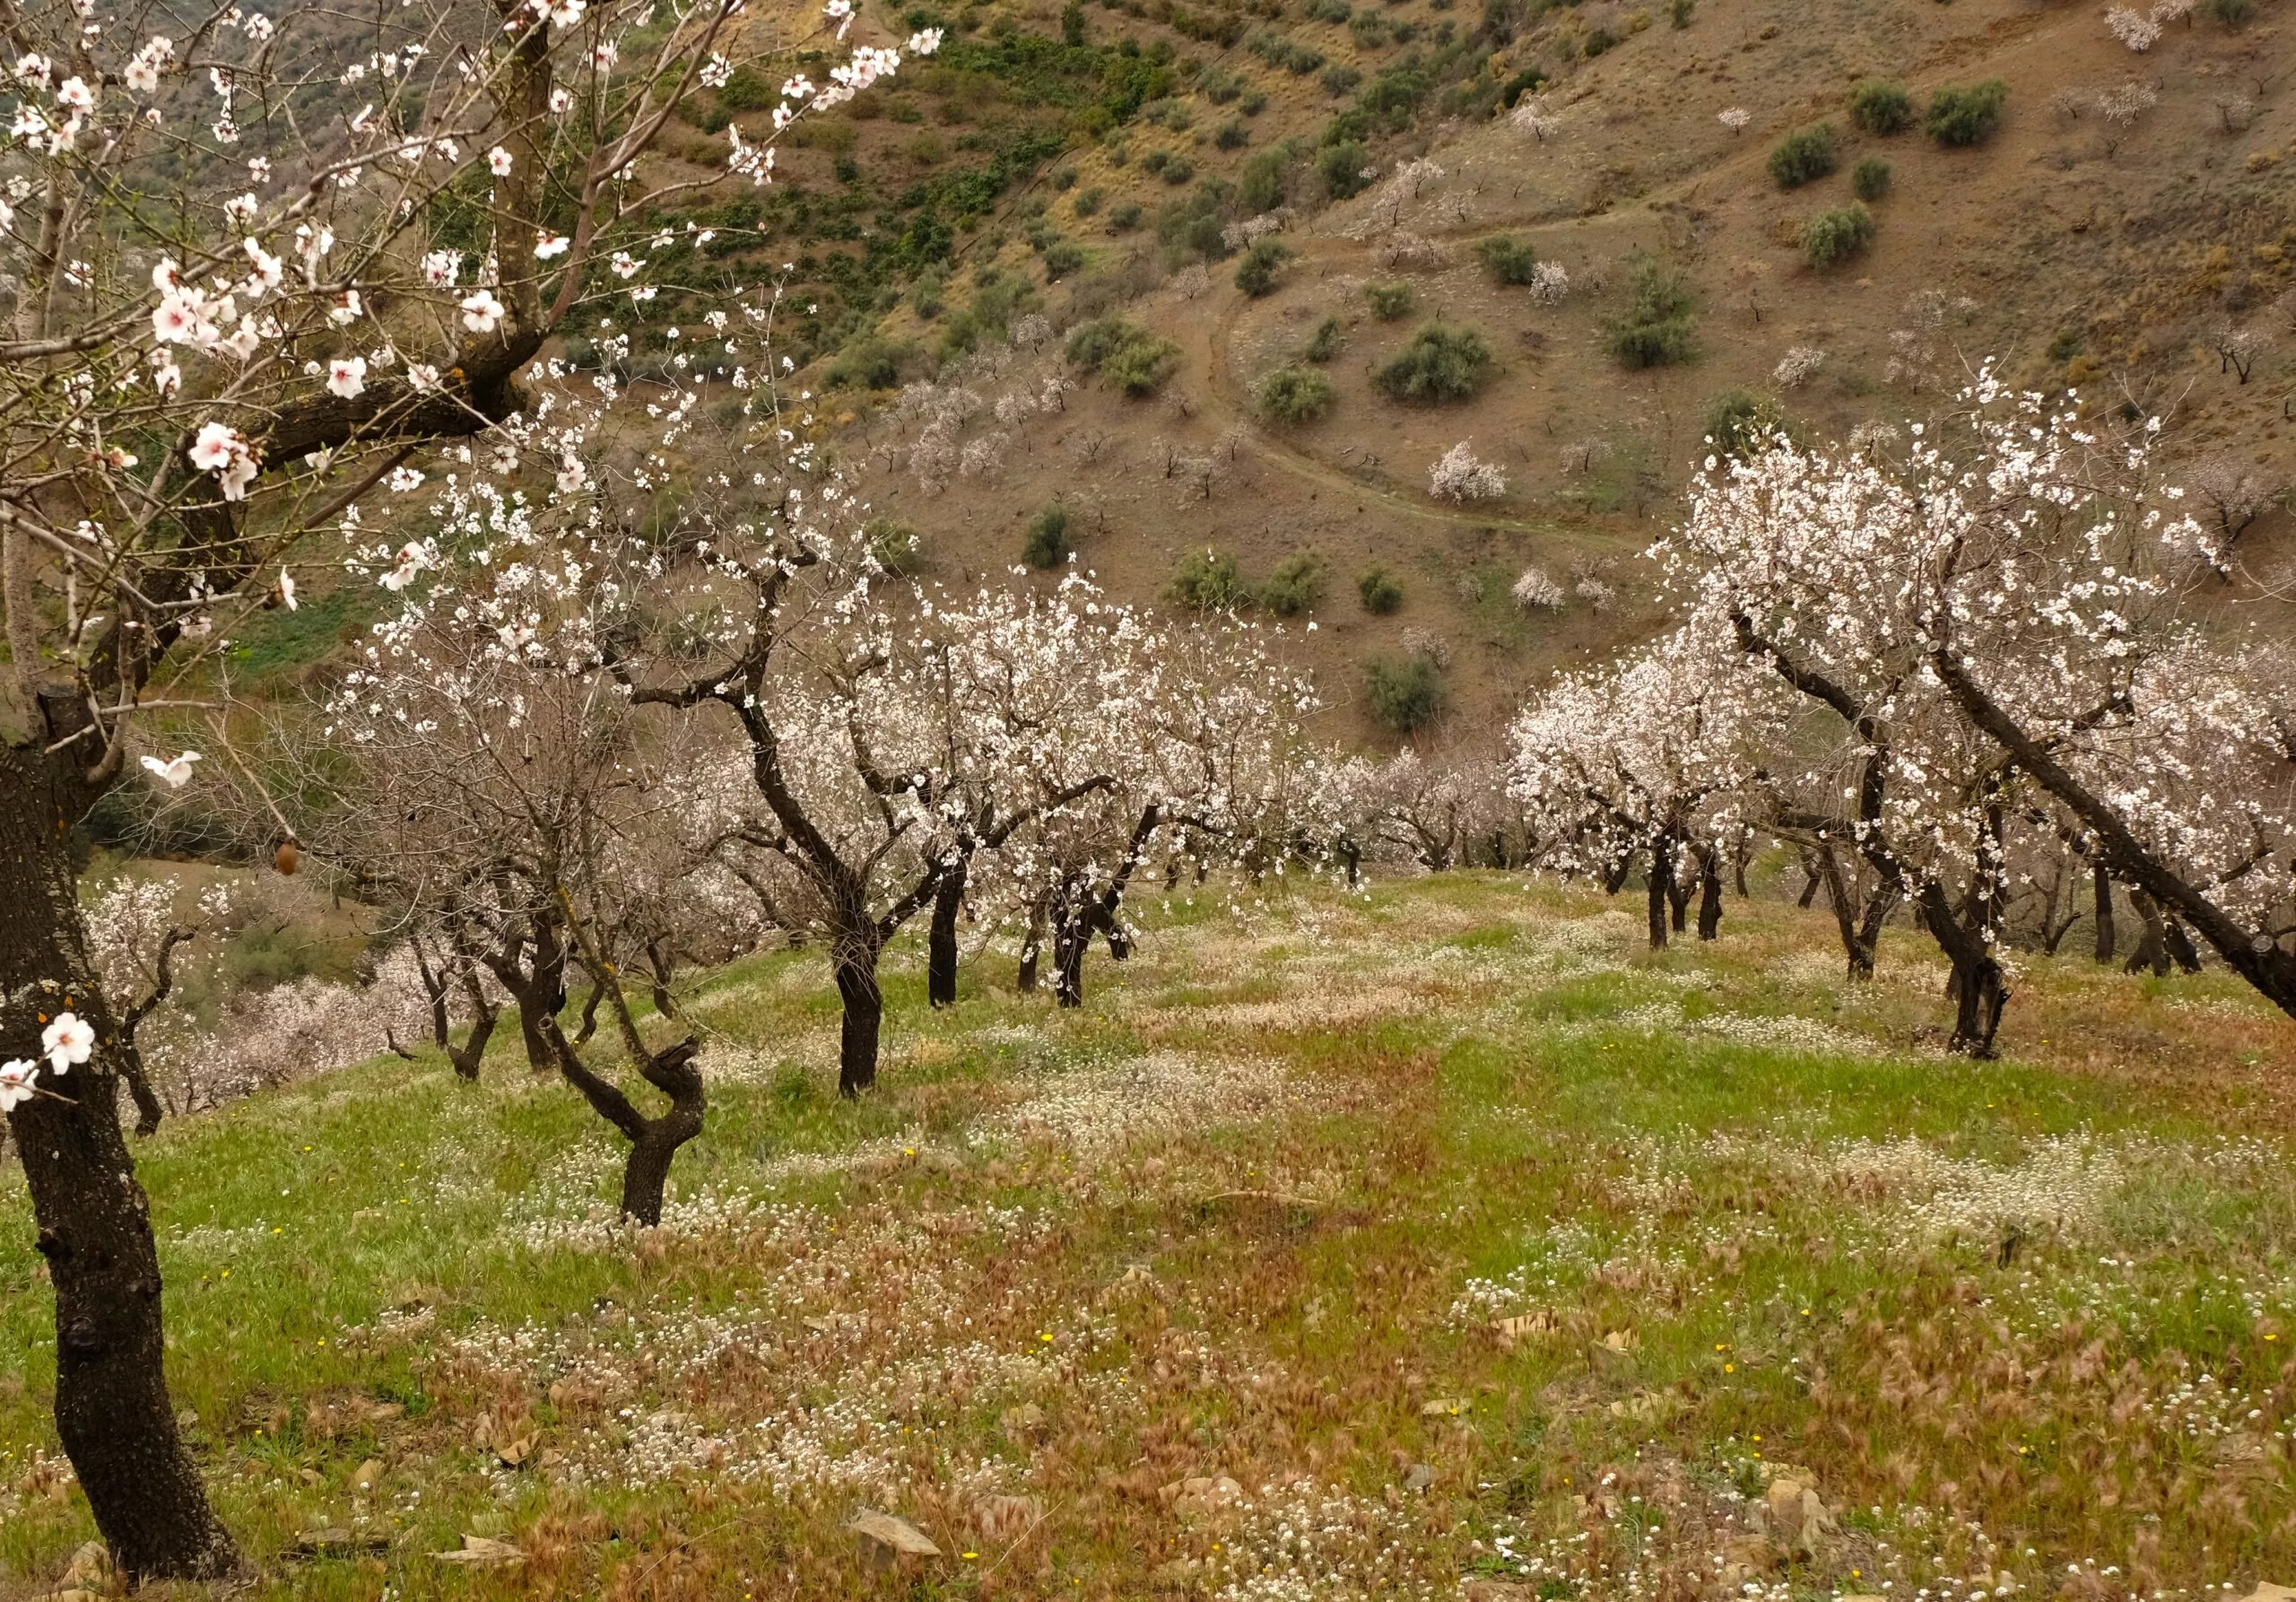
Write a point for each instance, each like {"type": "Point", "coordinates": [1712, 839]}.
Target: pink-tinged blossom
{"type": "Point", "coordinates": [346, 377]}
{"type": "Point", "coordinates": [221, 450]}
{"type": "Point", "coordinates": [498, 161]}
{"type": "Point", "coordinates": [16, 1084]}
{"type": "Point", "coordinates": [552, 244]}
{"type": "Point", "coordinates": [481, 311]}
{"type": "Point", "coordinates": [422, 376]}
{"type": "Point", "coordinates": [67, 1041]}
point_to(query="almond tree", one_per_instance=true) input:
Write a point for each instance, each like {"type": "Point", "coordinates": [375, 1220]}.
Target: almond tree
{"type": "Point", "coordinates": [203, 369]}
{"type": "Point", "coordinates": [1795, 558]}
{"type": "Point", "coordinates": [1650, 763]}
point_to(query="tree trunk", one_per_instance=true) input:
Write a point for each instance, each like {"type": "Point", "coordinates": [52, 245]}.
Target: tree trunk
{"type": "Point", "coordinates": [2181, 950]}
{"type": "Point", "coordinates": [941, 947]}
{"type": "Point", "coordinates": [1072, 937]}
{"type": "Point", "coordinates": [1709, 894]}
{"type": "Point", "coordinates": [1977, 987]}
{"type": "Point", "coordinates": [467, 1056]}
{"type": "Point", "coordinates": [646, 1176]}
{"type": "Point", "coordinates": [112, 1411]}
{"type": "Point", "coordinates": [1661, 888]}
{"type": "Point", "coordinates": [864, 1013]}
{"type": "Point", "coordinates": [1810, 886]}
{"type": "Point", "coordinates": [2104, 894]}
{"type": "Point", "coordinates": [2151, 947]}
{"type": "Point", "coordinates": [1861, 935]}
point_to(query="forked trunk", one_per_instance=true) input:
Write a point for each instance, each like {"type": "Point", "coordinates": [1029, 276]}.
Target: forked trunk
{"type": "Point", "coordinates": [1662, 887]}
{"type": "Point", "coordinates": [467, 1056]}
{"type": "Point", "coordinates": [2151, 947]}
{"type": "Point", "coordinates": [1977, 987]}
{"type": "Point", "coordinates": [864, 1013]}
{"type": "Point", "coordinates": [112, 1411]}
{"type": "Point", "coordinates": [941, 946]}
{"type": "Point", "coordinates": [1709, 895]}
{"type": "Point", "coordinates": [2103, 892]}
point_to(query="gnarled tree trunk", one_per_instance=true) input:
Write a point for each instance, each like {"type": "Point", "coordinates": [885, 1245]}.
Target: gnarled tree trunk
{"type": "Point", "coordinates": [1662, 891]}
{"type": "Point", "coordinates": [856, 962]}
{"type": "Point", "coordinates": [1709, 893]}
{"type": "Point", "coordinates": [2103, 889]}
{"type": "Point", "coordinates": [112, 1411]}
{"type": "Point", "coordinates": [1977, 987]}
{"type": "Point", "coordinates": [941, 945]}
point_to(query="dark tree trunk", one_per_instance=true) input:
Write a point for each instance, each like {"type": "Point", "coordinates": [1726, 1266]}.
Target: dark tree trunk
{"type": "Point", "coordinates": [2103, 890]}
{"type": "Point", "coordinates": [1661, 888]}
{"type": "Point", "coordinates": [864, 1013]}
{"type": "Point", "coordinates": [654, 1142]}
{"type": "Point", "coordinates": [1810, 883]}
{"type": "Point", "coordinates": [1072, 937]}
{"type": "Point", "coordinates": [112, 1411]}
{"type": "Point", "coordinates": [2151, 947]}
{"type": "Point", "coordinates": [1031, 950]}
{"type": "Point", "coordinates": [1977, 987]}
{"type": "Point", "coordinates": [1709, 894]}
{"type": "Point", "coordinates": [941, 947]}
{"type": "Point", "coordinates": [2181, 950]}
{"type": "Point", "coordinates": [1861, 935]}
{"type": "Point", "coordinates": [467, 1056]}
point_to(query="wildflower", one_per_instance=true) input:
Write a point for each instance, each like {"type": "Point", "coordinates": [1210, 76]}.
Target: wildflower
{"type": "Point", "coordinates": [71, 1039]}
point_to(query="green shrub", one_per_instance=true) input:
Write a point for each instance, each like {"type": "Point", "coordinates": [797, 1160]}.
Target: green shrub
{"type": "Point", "coordinates": [2232, 12]}
{"type": "Point", "coordinates": [1124, 216]}
{"type": "Point", "coordinates": [1294, 394]}
{"type": "Point", "coordinates": [1294, 586]}
{"type": "Point", "coordinates": [1656, 329]}
{"type": "Point", "coordinates": [1378, 590]}
{"type": "Point", "coordinates": [1404, 693]}
{"type": "Point", "coordinates": [1176, 170]}
{"type": "Point", "coordinates": [1340, 82]}
{"type": "Point", "coordinates": [1207, 580]}
{"type": "Point", "coordinates": [1047, 545]}
{"type": "Point", "coordinates": [745, 90]}
{"type": "Point", "coordinates": [1233, 135]}
{"type": "Point", "coordinates": [1679, 12]}
{"type": "Point", "coordinates": [1870, 178]}
{"type": "Point", "coordinates": [1439, 364]}
{"type": "Point", "coordinates": [1254, 102]}
{"type": "Point", "coordinates": [1370, 29]}
{"type": "Point", "coordinates": [1261, 186]}
{"type": "Point", "coordinates": [1388, 301]}
{"type": "Point", "coordinates": [1835, 236]}
{"type": "Point", "coordinates": [1880, 107]}
{"type": "Point", "coordinates": [1087, 200]}
{"type": "Point", "coordinates": [894, 546]}
{"type": "Point", "coordinates": [1803, 157]}
{"type": "Point", "coordinates": [1966, 116]}
{"type": "Point", "coordinates": [924, 297]}
{"type": "Point", "coordinates": [1064, 178]}
{"type": "Point", "coordinates": [1324, 343]}
{"type": "Point", "coordinates": [1264, 259]}
{"type": "Point", "coordinates": [869, 363]}
{"type": "Point", "coordinates": [1740, 422]}
{"type": "Point", "coordinates": [1125, 355]}
{"type": "Point", "coordinates": [1510, 260]}
{"type": "Point", "coordinates": [1340, 166]}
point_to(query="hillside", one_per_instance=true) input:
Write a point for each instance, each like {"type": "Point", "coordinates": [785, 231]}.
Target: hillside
{"type": "Point", "coordinates": [1435, 1241]}
{"type": "Point", "coordinates": [2129, 212]}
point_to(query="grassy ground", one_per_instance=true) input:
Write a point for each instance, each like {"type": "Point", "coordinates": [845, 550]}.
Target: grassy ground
{"type": "Point", "coordinates": [1255, 1215]}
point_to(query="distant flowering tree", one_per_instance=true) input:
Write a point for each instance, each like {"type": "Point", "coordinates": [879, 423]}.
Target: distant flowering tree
{"type": "Point", "coordinates": [1459, 477]}
{"type": "Point", "coordinates": [2005, 612]}
{"type": "Point", "coordinates": [1651, 764]}
{"type": "Point", "coordinates": [259, 261]}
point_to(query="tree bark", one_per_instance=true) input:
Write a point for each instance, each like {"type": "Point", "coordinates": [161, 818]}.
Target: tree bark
{"type": "Point", "coordinates": [2153, 945]}
{"type": "Point", "coordinates": [1709, 894]}
{"type": "Point", "coordinates": [2103, 889]}
{"type": "Point", "coordinates": [112, 1411]}
{"type": "Point", "coordinates": [864, 1015]}
{"type": "Point", "coordinates": [941, 946]}
{"type": "Point", "coordinates": [467, 1056]}
{"type": "Point", "coordinates": [1977, 987]}
{"type": "Point", "coordinates": [1661, 889]}
{"type": "Point", "coordinates": [1809, 896]}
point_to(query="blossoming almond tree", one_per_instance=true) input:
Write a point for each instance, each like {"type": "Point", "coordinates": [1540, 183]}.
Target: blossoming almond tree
{"type": "Point", "coordinates": [241, 305]}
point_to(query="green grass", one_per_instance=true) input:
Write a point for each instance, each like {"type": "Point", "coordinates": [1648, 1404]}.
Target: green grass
{"type": "Point", "coordinates": [1252, 1212]}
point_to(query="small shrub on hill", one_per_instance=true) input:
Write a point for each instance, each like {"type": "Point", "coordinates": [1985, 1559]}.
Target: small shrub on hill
{"type": "Point", "coordinates": [1295, 584]}
{"type": "Point", "coordinates": [1656, 329]}
{"type": "Point", "coordinates": [1803, 157]}
{"type": "Point", "coordinates": [1832, 237]}
{"type": "Point", "coordinates": [1439, 364]}
{"type": "Point", "coordinates": [1880, 107]}
{"type": "Point", "coordinates": [1127, 356]}
{"type": "Point", "coordinates": [1968, 115]}
{"type": "Point", "coordinates": [1324, 343]}
{"type": "Point", "coordinates": [1379, 591]}
{"type": "Point", "coordinates": [1263, 263]}
{"type": "Point", "coordinates": [1870, 178]}
{"type": "Point", "coordinates": [1404, 693]}
{"type": "Point", "coordinates": [1294, 394]}
{"type": "Point", "coordinates": [1207, 581]}
{"type": "Point", "coordinates": [1388, 301]}
{"type": "Point", "coordinates": [1047, 545]}
{"type": "Point", "coordinates": [1509, 260]}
